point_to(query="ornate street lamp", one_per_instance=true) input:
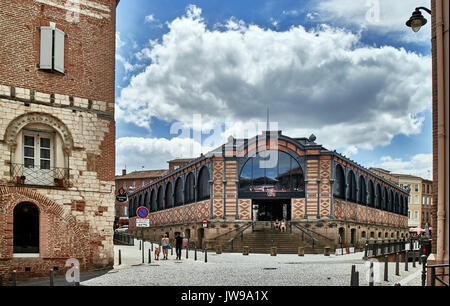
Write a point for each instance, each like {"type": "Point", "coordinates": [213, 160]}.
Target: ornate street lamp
{"type": "Point", "coordinates": [417, 20]}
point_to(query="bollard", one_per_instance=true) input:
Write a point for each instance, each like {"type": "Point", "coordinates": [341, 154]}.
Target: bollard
{"type": "Point", "coordinates": [149, 256]}
{"type": "Point", "coordinates": [424, 269]}
{"type": "Point", "coordinates": [386, 265]}
{"type": "Point", "coordinates": [206, 256]}
{"type": "Point", "coordinates": [195, 254]}
{"type": "Point", "coordinates": [397, 264]}
{"type": "Point", "coordinates": [120, 257]}
{"type": "Point", "coordinates": [77, 272]}
{"type": "Point", "coordinates": [187, 252]}
{"type": "Point", "coordinates": [371, 274]}
{"type": "Point", "coordinates": [326, 251]}
{"type": "Point", "coordinates": [152, 246]}
{"type": "Point", "coordinates": [245, 250]}
{"type": "Point", "coordinates": [406, 260]}
{"type": "Point", "coordinates": [352, 276]}
{"type": "Point", "coordinates": [357, 278]}
{"type": "Point", "coordinates": [142, 251]}
{"type": "Point", "coordinates": [273, 251]}
{"type": "Point", "coordinates": [171, 251]}
{"type": "Point", "coordinates": [301, 251]}
{"type": "Point", "coordinates": [51, 277]}
{"type": "Point", "coordinates": [218, 249]}
{"type": "Point", "coordinates": [14, 278]}
{"type": "Point", "coordinates": [140, 245]}
{"type": "Point", "coordinates": [414, 259]}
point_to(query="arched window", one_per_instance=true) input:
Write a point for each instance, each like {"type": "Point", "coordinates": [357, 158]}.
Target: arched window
{"type": "Point", "coordinates": [371, 194]}
{"type": "Point", "coordinates": [402, 205]}
{"type": "Point", "coordinates": [203, 185]}
{"type": "Point", "coordinates": [179, 192]}
{"type": "Point", "coordinates": [169, 196]}
{"type": "Point", "coordinates": [147, 200]}
{"type": "Point", "coordinates": [26, 228]}
{"type": "Point", "coordinates": [141, 200]}
{"type": "Point", "coordinates": [259, 175]}
{"type": "Point", "coordinates": [391, 202]}
{"type": "Point", "coordinates": [379, 198]}
{"type": "Point", "coordinates": [189, 189]}
{"type": "Point", "coordinates": [160, 198]}
{"type": "Point", "coordinates": [153, 201]}
{"type": "Point", "coordinates": [385, 199]}
{"type": "Point", "coordinates": [339, 183]}
{"type": "Point", "coordinates": [351, 192]}
{"type": "Point", "coordinates": [396, 204]}
{"type": "Point", "coordinates": [362, 196]}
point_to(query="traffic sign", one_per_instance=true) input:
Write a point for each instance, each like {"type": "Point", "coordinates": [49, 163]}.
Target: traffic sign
{"type": "Point", "coordinates": [142, 212]}
{"type": "Point", "coordinates": [205, 223]}
{"type": "Point", "coordinates": [142, 222]}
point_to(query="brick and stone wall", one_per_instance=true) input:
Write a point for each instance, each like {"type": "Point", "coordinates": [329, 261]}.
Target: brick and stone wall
{"type": "Point", "coordinates": [75, 219]}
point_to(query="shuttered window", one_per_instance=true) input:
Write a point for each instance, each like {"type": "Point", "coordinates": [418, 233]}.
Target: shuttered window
{"type": "Point", "coordinates": [52, 49]}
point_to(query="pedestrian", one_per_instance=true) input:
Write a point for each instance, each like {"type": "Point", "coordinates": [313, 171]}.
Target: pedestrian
{"type": "Point", "coordinates": [283, 225]}
{"type": "Point", "coordinates": [165, 245]}
{"type": "Point", "coordinates": [277, 224]}
{"type": "Point", "coordinates": [178, 245]}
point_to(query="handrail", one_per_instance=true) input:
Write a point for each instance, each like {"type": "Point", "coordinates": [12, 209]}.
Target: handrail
{"type": "Point", "coordinates": [224, 234]}
{"type": "Point", "coordinates": [434, 276]}
{"type": "Point", "coordinates": [307, 229]}
{"type": "Point", "coordinates": [300, 228]}
{"type": "Point", "coordinates": [241, 231]}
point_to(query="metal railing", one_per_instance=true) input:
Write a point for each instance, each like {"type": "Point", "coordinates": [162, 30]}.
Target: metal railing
{"type": "Point", "coordinates": [54, 176]}
{"type": "Point", "coordinates": [124, 238]}
{"type": "Point", "coordinates": [381, 247]}
{"type": "Point", "coordinates": [311, 231]}
{"type": "Point", "coordinates": [304, 232]}
{"type": "Point", "coordinates": [434, 277]}
{"type": "Point", "coordinates": [241, 233]}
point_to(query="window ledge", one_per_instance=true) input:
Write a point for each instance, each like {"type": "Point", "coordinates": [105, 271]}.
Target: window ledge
{"type": "Point", "coordinates": [26, 255]}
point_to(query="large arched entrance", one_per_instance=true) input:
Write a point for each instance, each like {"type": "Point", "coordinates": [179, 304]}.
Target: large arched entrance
{"type": "Point", "coordinates": [26, 228]}
{"type": "Point", "coordinates": [271, 185]}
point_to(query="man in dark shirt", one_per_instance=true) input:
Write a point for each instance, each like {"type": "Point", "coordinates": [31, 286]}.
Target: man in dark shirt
{"type": "Point", "coordinates": [178, 245]}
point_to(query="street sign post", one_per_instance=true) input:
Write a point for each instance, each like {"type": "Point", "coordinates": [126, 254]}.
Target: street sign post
{"type": "Point", "coordinates": [205, 223]}
{"type": "Point", "coordinates": [142, 212]}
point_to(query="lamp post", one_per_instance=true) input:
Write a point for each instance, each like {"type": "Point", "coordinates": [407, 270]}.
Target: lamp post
{"type": "Point", "coordinates": [416, 21]}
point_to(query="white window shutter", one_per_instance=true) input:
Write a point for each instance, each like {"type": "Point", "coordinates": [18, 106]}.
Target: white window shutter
{"type": "Point", "coordinates": [46, 48]}
{"type": "Point", "coordinates": [59, 51]}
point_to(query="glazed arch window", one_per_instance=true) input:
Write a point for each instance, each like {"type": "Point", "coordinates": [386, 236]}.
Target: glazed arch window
{"type": "Point", "coordinates": [203, 184]}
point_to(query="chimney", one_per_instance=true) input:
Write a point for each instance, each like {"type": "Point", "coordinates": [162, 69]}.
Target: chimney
{"type": "Point", "coordinates": [124, 171]}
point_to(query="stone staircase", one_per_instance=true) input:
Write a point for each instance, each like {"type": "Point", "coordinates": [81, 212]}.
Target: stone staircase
{"type": "Point", "coordinates": [261, 239]}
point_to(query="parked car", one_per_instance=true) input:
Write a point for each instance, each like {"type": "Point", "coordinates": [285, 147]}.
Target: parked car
{"type": "Point", "coordinates": [123, 228]}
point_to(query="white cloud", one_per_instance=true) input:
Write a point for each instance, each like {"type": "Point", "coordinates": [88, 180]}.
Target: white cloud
{"type": "Point", "coordinates": [149, 18]}
{"type": "Point", "coordinates": [153, 153]}
{"type": "Point", "coordinates": [419, 165]}
{"type": "Point", "coordinates": [384, 16]}
{"type": "Point", "coordinates": [119, 42]}
{"type": "Point", "coordinates": [322, 81]}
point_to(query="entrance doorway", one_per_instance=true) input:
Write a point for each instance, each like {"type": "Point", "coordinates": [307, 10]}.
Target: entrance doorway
{"type": "Point", "coordinates": [26, 228]}
{"type": "Point", "coordinates": [271, 209]}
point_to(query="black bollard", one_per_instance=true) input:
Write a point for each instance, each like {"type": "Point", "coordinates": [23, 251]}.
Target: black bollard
{"type": "Point", "coordinates": [414, 259]}
{"type": "Point", "coordinates": [195, 254]}
{"type": "Point", "coordinates": [14, 278]}
{"type": "Point", "coordinates": [357, 278]}
{"type": "Point", "coordinates": [152, 246]}
{"type": "Point", "coordinates": [406, 260]}
{"type": "Point", "coordinates": [424, 269]}
{"type": "Point", "coordinates": [149, 256]}
{"type": "Point", "coordinates": [371, 274]}
{"type": "Point", "coordinates": [352, 276]}
{"type": "Point", "coordinates": [187, 252]}
{"type": "Point", "coordinates": [51, 277]}
{"type": "Point", "coordinates": [206, 255]}
{"type": "Point", "coordinates": [386, 263]}
{"type": "Point", "coordinates": [397, 264]}
{"type": "Point", "coordinates": [171, 251]}
{"type": "Point", "coordinates": [120, 257]}
{"type": "Point", "coordinates": [140, 245]}
{"type": "Point", "coordinates": [142, 251]}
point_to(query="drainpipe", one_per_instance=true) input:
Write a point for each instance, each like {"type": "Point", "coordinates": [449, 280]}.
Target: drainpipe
{"type": "Point", "coordinates": [441, 134]}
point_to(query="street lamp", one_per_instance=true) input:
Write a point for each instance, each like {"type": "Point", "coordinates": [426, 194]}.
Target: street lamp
{"type": "Point", "coordinates": [417, 20]}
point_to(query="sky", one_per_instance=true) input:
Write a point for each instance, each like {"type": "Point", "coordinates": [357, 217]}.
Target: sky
{"type": "Point", "coordinates": [189, 74]}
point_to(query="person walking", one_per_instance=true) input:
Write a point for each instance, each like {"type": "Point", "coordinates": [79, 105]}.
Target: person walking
{"type": "Point", "coordinates": [165, 245]}
{"type": "Point", "coordinates": [283, 225]}
{"type": "Point", "coordinates": [178, 245]}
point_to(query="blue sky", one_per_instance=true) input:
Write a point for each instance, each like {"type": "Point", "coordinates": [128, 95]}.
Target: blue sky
{"type": "Point", "coordinates": [348, 71]}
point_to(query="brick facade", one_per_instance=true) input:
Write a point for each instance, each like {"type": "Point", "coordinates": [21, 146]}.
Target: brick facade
{"type": "Point", "coordinates": [76, 213]}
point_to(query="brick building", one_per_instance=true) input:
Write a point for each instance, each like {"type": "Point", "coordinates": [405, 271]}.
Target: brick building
{"type": "Point", "coordinates": [307, 185]}
{"type": "Point", "coordinates": [128, 182]}
{"type": "Point", "coordinates": [57, 134]}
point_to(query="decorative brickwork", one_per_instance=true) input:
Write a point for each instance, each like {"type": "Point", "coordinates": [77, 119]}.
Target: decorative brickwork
{"type": "Point", "coordinates": [298, 209]}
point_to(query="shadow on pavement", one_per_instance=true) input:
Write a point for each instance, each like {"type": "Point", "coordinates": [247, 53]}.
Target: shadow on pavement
{"type": "Point", "coordinates": [60, 280]}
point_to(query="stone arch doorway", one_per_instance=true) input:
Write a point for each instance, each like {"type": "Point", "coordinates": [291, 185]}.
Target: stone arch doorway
{"type": "Point", "coordinates": [26, 228]}
{"type": "Point", "coordinates": [200, 235]}
{"type": "Point", "coordinates": [341, 235]}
